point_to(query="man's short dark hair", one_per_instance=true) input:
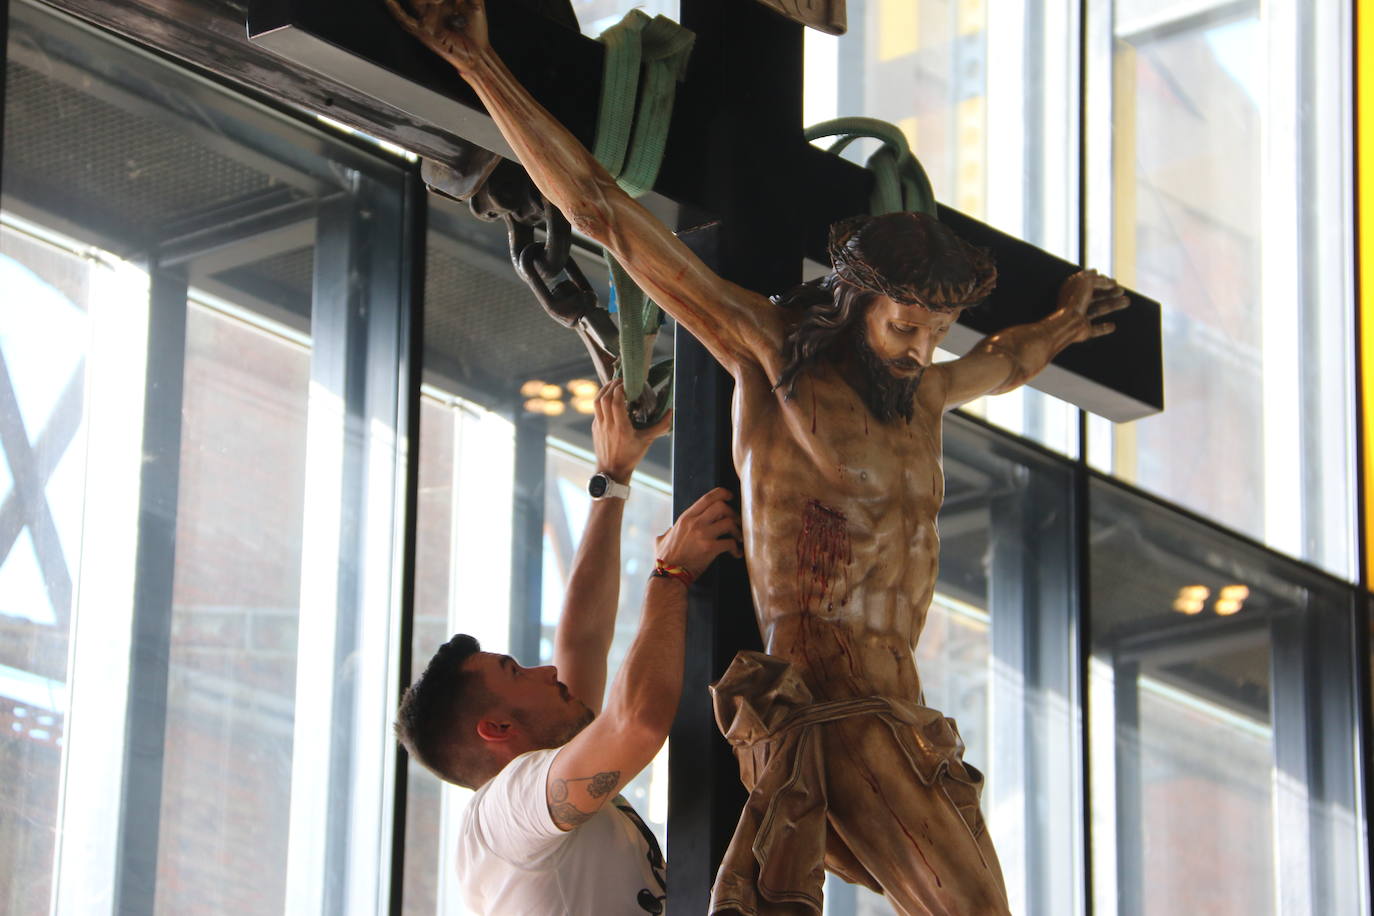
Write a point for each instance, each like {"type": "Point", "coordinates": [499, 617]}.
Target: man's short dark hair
{"type": "Point", "coordinates": [437, 718]}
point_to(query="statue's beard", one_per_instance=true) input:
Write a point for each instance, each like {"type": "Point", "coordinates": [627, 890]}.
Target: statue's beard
{"type": "Point", "coordinates": [887, 395]}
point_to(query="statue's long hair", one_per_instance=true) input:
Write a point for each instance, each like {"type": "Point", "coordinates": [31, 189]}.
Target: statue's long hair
{"type": "Point", "coordinates": [829, 310]}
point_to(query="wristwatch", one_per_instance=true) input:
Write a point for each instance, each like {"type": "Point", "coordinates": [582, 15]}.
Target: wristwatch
{"type": "Point", "coordinates": [603, 487]}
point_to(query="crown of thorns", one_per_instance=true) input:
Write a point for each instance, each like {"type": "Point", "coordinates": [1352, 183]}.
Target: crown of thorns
{"type": "Point", "coordinates": [912, 258]}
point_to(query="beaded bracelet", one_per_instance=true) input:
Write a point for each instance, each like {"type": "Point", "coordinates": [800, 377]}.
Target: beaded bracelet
{"type": "Point", "coordinates": [665, 571]}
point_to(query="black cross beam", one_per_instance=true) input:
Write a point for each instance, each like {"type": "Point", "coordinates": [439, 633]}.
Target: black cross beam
{"type": "Point", "coordinates": [398, 91]}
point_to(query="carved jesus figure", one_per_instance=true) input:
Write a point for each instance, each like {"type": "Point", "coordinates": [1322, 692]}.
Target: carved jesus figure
{"type": "Point", "coordinates": [837, 416]}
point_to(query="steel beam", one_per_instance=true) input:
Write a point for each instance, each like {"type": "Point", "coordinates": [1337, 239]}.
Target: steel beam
{"type": "Point", "coordinates": [150, 656]}
{"type": "Point", "coordinates": [527, 537]}
{"type": "Point", "coordinates": [1035, 691]}
{"type": "Point", "coordinates": [1130, 788]}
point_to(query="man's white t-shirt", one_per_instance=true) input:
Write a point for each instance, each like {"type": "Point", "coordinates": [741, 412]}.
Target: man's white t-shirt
{"type": "Point", "coordinates": [514, 861]}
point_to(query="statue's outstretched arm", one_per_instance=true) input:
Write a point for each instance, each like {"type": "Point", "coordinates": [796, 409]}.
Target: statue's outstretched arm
{"type": "Point", "coordinates": [736, 325]}
{"type": "Point", "coordinates": [1010, 358]}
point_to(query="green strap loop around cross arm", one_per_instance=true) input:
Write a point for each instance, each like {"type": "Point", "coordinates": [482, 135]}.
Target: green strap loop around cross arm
{"type": "Point", "coordinates": [619, 85]}
{"type": "Point", "coordinates": [899, 181]}
{"type": "Point", "coordinates": [638, 316]}
{"type": "Point", "coordinates": [645, 60]}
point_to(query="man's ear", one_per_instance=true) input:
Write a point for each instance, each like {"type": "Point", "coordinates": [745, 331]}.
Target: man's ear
{"type": "Point", "coordinates": [494, 730]}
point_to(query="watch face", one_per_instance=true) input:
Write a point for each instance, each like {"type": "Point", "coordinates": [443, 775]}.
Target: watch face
{"type": "Point", "coordinates": [597, 486]}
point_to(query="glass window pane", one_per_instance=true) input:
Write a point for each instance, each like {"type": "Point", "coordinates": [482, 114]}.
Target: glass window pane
{"type": "Point", "coordinates": [43, 336]}
{"type": "Point", "coordinates": [503, 502]}
{"type": "Point", "coordinates": [161, 235]}
{"type": "Point", "coordinates": [226, 800]}
{"type": "Point", "coordinates": [987, 99]}
{"type": "Point", "coordinates": [1231, 201]}
{"type": "Point", "coordinates": [1215, 785]}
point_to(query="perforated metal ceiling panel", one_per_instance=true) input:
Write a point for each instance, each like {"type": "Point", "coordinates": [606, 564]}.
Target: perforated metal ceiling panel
{"type": "Point", "coordinates": [489, 326]}
{"type": "Point", "coordinates": [130, 166]}
{"type": "Point", "coordinates": [81, 157]}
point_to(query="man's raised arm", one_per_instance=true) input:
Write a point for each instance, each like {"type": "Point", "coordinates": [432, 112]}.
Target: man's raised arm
{"type": "Point", "coordinates": [1010, 358]}
{"type": "Point", "coordinates": [643, 699]}
{"type": "Point", "coordinates": [735, 324]}
{"type": "Point", "coordinates": [586, 627]}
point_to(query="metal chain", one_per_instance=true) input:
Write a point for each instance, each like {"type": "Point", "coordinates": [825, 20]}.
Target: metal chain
{"type": "Point", "coordinates": [497, 189]}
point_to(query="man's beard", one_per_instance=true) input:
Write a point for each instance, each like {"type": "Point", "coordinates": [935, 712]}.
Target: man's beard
{"type": "Point", "coordinates": [887, 395]}
{"type": "Point", "coordinates": [554, 734]}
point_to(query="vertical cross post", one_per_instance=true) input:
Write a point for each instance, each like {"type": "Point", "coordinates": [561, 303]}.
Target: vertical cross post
{"type": "Point", "coordinates": [743, 132]}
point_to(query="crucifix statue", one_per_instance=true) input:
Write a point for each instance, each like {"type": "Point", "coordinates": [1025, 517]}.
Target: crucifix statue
{"type": "Point", "coordinates": [837, 414]}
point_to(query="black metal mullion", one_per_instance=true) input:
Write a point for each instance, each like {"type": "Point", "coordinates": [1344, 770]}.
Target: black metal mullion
{"type": "Point", "coordinates": [1364, 745]}
{"type": "Point", "coordinates": [339, 336]}
{"type": "Point", "coordinates": [1081, 552]}
{"type": "Point", "coordinates": [415, 226]}
{"type": "Point", "coordinates": [360, 327]}
{"type": "Point", "coordinates": [362, 273]}
{"type": "Point", "coordinates": [4, 71]}
{"type": "Point", "coordinates": [146, 717]}
{"type": "Point", "coordinates": [1130, 845]}
{"type": "Point", "coordinates": [1053, 659]}
{"type": "Point", "coordinates": [1033, 617]}
{"type": "Point", "coordinates": [1296, 728]}
{"type": "Point", "coordinates": [1332, 685]}
{"type": "Point", "coordinates": [527, 536]}
{"type": "Point", "coordinates": [1013, 607]}
{"type": "Point", "coordinates": [1363, 642]}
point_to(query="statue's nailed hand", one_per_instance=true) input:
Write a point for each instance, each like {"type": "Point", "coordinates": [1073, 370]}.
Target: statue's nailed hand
{"type": "Point", "coordinates": [1086, 297]}
{"type": "Point", "coordinates": [620, 446]}
{"type": "Point", "coordinates": [705, 530]}
{"type": "Point", "coordinates": [456, 30]}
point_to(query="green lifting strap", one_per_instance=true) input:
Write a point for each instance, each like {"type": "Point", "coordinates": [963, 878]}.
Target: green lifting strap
{"type": "Point", "coordinates": [899, 181]}
{"type": "Point", "coordinates": [645, 60]}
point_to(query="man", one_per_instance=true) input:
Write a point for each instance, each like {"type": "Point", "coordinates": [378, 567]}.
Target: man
{"type": "Point", "coordinates": [837, 413]}
{"type": "Point", "coordinates": [546, 833]}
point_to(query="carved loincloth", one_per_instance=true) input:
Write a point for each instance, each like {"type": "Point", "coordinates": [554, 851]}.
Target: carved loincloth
{"type": "Point", "coordinates": [777, 855]}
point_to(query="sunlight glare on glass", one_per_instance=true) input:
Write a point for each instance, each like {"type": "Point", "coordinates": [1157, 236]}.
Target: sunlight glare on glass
{"type": "Point", "coordinates": [1236, 46]}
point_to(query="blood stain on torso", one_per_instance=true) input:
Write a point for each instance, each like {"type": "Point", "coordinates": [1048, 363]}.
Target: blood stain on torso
{"type": "Point", "coordinates": [822, 548]}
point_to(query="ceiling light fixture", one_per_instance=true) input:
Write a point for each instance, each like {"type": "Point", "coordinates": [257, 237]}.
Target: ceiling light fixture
{"type": "Point", "coordinates": [1191, 599]}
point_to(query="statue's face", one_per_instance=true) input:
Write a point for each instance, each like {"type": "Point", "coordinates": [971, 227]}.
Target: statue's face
{"type": "Point", "coordinates": [904, 337]}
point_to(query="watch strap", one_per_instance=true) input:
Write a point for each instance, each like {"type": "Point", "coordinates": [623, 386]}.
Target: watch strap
{"type": "Point", "coordinates": [610, 489]}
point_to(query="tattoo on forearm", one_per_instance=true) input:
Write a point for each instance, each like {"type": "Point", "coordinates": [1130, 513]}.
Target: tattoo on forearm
{"type": "Point", "coordinates": [603, 783]}
{"type": "Point", "coordinates": [567, 815]}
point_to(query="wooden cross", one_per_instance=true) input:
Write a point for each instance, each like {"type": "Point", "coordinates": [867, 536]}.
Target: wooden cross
{"type": "Point", "coordinates": [395, 90]}
{"type": "Point", "coordinates": [754, 200]}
